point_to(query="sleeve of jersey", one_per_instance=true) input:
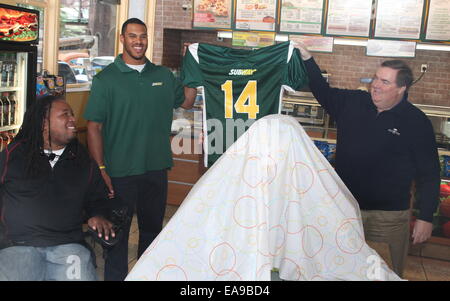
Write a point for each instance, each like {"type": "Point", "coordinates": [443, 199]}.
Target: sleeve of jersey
{"type": "Point", "coordinates": [296, 75]}
{"type": "Point", "coordinates": [191, 75]}
{"type": "Point", "coordinates": [96, 105]}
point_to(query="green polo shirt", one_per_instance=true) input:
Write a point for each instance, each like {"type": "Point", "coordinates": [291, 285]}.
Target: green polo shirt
{"type": "Point", "coordinates": [136, 110]}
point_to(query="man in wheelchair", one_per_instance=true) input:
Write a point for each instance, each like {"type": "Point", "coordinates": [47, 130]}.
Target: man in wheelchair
{"type": "Point", "coordinates": [48, 184]}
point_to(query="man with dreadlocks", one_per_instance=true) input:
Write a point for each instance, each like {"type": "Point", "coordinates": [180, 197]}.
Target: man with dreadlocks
{"type": "Point", "coordinates": [48, 184]}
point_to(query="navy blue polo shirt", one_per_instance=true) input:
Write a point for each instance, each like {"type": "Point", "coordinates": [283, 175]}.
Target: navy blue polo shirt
{"type": "Point", "coordinates": [378, 155]}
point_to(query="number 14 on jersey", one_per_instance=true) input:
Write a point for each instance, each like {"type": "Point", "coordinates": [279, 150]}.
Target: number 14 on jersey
{"type": "Point", "coordinates": [241, 106]}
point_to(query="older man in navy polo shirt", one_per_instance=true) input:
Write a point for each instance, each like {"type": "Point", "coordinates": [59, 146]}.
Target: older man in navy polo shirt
{"type": "Point", "coordinates": [384, 143]}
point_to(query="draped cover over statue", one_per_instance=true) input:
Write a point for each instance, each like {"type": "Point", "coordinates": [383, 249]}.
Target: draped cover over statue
{"type": "Point", "coordinates": [271, 201]}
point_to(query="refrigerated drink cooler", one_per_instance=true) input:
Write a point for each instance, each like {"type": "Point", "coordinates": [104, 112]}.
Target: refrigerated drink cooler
{"type": "Point", "coordinates": [18, 63]}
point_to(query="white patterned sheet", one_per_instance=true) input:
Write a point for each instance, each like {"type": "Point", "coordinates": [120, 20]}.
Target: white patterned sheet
{"type": "Point", "coordinates": [271, 201]}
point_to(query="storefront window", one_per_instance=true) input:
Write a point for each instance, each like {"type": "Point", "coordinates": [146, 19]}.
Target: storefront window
{"type": "Point", "coordinates": [87, 38]}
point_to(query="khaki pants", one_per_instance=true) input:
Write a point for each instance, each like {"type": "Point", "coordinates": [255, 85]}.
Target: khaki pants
{"type": "Point", "coordinates": [391, 227]}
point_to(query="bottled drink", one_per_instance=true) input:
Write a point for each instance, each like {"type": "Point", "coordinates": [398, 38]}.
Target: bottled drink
{"type": "Point", "coordinates": [6, 109]}
{"type": "Point", "coordinates": [6, 140]}
{"type": "Point", "coordinates": [4, 74]}
{"type": "Point", "coordinates": [2, 62]}
{"type": "Point", "coordinates": [11, 136]}
{"type": "Point", "coordinates": [7, 106]}
{"type": "Point", "coordinates": [1, 111]}
{"type": "Point", "coordinates": [13, 107]}
{"type": "Point", "coordinates": [16, 75]}
{"type": "Point", "coordinates": [12, 72]}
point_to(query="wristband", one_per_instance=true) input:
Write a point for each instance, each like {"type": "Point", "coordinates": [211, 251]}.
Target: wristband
{"type": "Point", "coordinates": [101, 167]}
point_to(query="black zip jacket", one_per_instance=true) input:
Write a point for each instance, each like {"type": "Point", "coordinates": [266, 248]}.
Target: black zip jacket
{"type": "Point", "coordinates": [379, 155]}
{"type": "Point", "coordinates": [49, 209]}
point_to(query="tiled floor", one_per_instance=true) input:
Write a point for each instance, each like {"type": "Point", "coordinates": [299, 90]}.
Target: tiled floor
{"type": "Point", "coordinates": [423, 269]}
{"type": "Point", "coordinates": [417, 268]}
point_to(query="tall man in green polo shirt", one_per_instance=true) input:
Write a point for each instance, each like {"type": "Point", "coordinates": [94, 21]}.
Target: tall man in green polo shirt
{"type": "Point", "coordinates": [129, 115]}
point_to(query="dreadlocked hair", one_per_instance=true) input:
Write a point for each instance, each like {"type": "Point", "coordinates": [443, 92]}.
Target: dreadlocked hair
{"type": "Point", "coordinates": [31, 131]}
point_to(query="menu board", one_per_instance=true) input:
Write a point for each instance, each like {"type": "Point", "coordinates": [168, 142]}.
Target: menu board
{"type": "Point", "coordinates": [212, 14]}
{"type": "Point", "coordinates": [253, 39]}
{"type": "Point", "coordinates": [391, 48]}
{"type": "Point", "coordinates": [18, 24]}
{"type": "Point", "coordinates": [438, 23]}
{"type": "Point", "coordinates": [314, 43]}
{"type": "Point", "coordinates": [399, 19]}
{"type": "Point", "coordinates": [302, 16]}
{"type": "Point", "coordinates": [256, 14]}
{"type": "Point", "coordinates": [349, 17]}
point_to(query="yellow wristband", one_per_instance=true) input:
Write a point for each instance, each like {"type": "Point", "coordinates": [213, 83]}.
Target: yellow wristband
{"type": "Point", "coordinates": [102, 167]}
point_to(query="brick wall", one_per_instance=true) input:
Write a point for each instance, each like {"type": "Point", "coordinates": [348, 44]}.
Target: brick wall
{"type": "Point", "coordinates": [169, 14]}
{"type": "Point", "coordinates": [205, 36]}
{"type": "Point", "coordinates": [158, 34]}
{"type": "Point", "coordinates": [347, 64]}
{"type": "Point", "coordinates": [171, 48]}
{"type": "Point", "coordinates": [173, 40]}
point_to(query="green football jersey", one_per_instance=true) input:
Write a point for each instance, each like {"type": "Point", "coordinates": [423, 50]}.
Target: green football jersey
{"type": "Point", "coordinates": [239, 87]}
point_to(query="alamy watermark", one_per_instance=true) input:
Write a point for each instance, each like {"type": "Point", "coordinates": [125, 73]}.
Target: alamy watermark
{"type": "Point", "coordinates": [220, 136]}
{"type": "Point", "coordinates": [74, 270]}
{"type": "Point", "coordinates": [375, 272]}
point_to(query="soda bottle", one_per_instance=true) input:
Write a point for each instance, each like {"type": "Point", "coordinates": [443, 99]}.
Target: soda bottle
{"type": "Point", "coordinates": [5, 137]}
{"type": "Point", "coordinates": [6, 110]}
{"type": "Point", "coordinates": [1, 72]}
{"type": "Point", "coordinates": [1, 111]}
{"type": "Point", "coordinates": [13, 107]}
{"type": "Point", "coordinates": [10, 135]}
{"type": "Point", "coordinates": [12, 71]}
{"type": "Point", "coordinates": [4, 74]}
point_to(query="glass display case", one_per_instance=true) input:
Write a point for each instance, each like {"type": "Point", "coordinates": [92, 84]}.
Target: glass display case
{"type": "Point", "coordinates": [440, 118]}
{"type": "Point", "coordinates": [316, 122]}
{"type": "Point", "coordinates": [186, 145]}
{"type": "Point", "coordinates": [189, 122]}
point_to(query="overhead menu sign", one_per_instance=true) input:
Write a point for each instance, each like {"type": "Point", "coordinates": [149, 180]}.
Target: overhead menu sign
{"type": "Point", "coordinates": [253, 39]}
{"type": "Point", "coordinates": [389, 48]}
{"type": "Point", "coordinates": [399, 19]}
{"type": "Point", "coordinates": [349, 17]}
{"type": "Point", "coordinates": [301, 16]}
{"type": "Point", "coordinates": [256, 14]}
{"type": "Point", "coordinates": [314, 43]}
{"type": "Point", "coordinates": [212, 13]}
{"type": "Point", "coordinates": [438, 22]}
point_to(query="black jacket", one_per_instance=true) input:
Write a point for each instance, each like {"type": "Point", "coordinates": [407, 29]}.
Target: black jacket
{"type": "Point", "coordinates": [49, 209]}
{"type": "Point", "coordinates": [379, 155]}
